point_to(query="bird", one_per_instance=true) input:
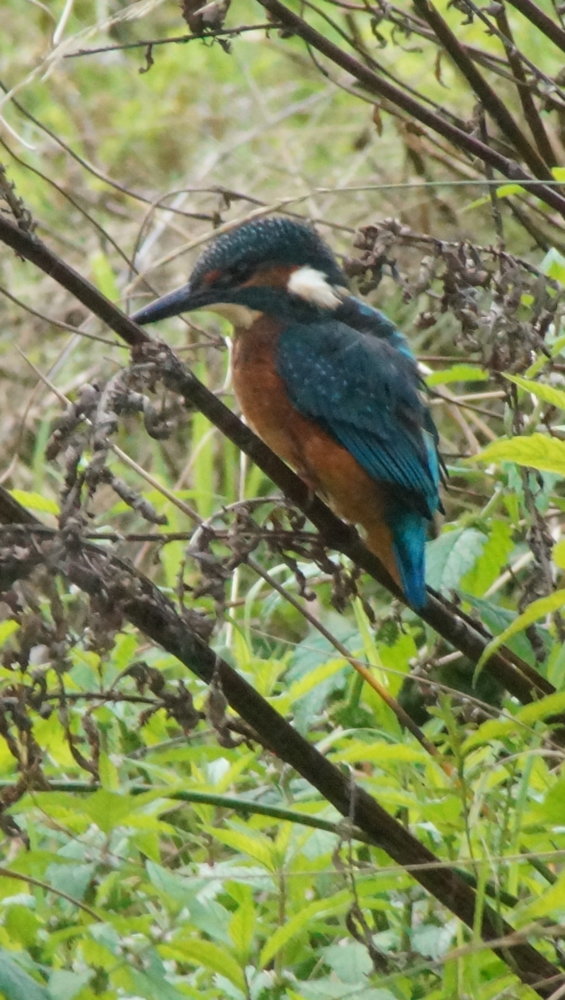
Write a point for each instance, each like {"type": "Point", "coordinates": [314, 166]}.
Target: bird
{"type": "Point", "coordinates": [326, 380]}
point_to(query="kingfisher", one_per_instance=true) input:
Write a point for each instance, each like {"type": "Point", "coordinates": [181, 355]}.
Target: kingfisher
{"type": "Point", "coordinates": [327, 381]}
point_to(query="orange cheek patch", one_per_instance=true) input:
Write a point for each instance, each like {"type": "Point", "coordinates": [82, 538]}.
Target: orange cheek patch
{"type": "Point", "coordinates": [274, 277]}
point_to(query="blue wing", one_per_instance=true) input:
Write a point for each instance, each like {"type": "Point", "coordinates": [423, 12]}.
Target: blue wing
{"type": "Point", "coordinates": [365, 391]}
{"type": "Point", "coordinates": [366, 394]}
{"type": "Point", "coordinates": [363, 317]}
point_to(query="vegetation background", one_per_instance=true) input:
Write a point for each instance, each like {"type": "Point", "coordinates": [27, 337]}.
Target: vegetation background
{"type": "Point", "coordinates": [154, 847]}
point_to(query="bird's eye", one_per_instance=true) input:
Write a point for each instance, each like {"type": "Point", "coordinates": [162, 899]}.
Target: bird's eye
{"type": "Point", "coordinates": [238, 273]}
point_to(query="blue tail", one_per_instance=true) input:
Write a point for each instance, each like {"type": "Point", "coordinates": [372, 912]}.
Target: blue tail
{"type": "Point", "coordinates": [409, 531]}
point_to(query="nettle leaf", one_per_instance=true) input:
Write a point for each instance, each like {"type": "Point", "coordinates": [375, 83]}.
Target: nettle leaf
{"type": "Point", "coordinates": [451, 556]}
{"type": "Point", "coordinates": [538, 451]}
{"type": "Point", "coordinates": [547, 393]}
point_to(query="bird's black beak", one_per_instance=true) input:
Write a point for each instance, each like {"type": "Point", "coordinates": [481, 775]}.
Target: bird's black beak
{"type": "Point", "coordinates": [181, 300]}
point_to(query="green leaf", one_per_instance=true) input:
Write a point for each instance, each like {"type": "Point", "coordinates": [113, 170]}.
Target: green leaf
{"type": "Point", "coordinates": [538, 451]}
{"type": "Point", "coordinates": [35, 501]}
{"type": "Point", "coordinates": [103, 275]}
{"type": "Point", "coordinates": [109, 774]}
{"type": "Point", "coordinates": [254, 845]}
{"type": "Point", "coordinates": [550, 904]}
{"type": "Point", "coordinates": [493, 557]}
{"type": "Point", "coordinates": [553, 265]}
{"type": "Point", "coordinates": [547, 393]}
{"type": "Point", "coordinates": [536, 610]}
{"type": "Point", "coordinates": [350, 961]}
{"type": "Point", "coordinates": [451, 556]}
{"type": "Point", "coordinates": [558, 554]}
{"type": "Point", "coordinates": [283, 934]}
{"type": "Point", "coordinates": [7, 628]}
{"type": "Point", "coordinates": [200, 952]}
{"type": "Point", "coordinates": [457, 373]}
{"type": "Point", "coordinates": [383, 753]}
{"type": "Point", "coordinates": [15, 984]}
{"type": "Point", "coordinates": [549, 811]}
{"type": "Point", "coordinates": [242, 929]}
{"type": "Point", "coordinates": [65, 985]}
{"type": "Point", "coordinates": [552, 704]}
{"type": "Point", "coordinates": [504, 191]}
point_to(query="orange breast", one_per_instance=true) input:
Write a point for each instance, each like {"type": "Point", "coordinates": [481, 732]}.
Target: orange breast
{"type": "Point", "coordinates": [326, 467]}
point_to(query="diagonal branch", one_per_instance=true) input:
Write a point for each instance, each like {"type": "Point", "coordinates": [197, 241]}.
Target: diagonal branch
{"type": "Point", "coordinates": [491, 102]}
{"type": "Point", "coordinates": [531, 113]}
{"type": "Point", "coordinates": [116, 582]}
{"type": "Point", "coordinates": [551, 28]}
{"type": "Point", "coordinates": [384, 88]}
{"type": "Point", "coordinates": [458, 629]}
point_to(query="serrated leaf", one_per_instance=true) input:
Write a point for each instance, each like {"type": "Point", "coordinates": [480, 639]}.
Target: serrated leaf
{"type": "Point", "coordinates": [552, 704]}
{"type": "Point", "coordinates": [206, 953]}
{"type": "Point", "coordinates": [283, 934]}
{"type": "Point", "coordinates": [253, 845]}
{"type": "Point", "coordinates": [536, 610]}
{"type": "Point", "coordinates": [242, 929]}
{"type": "Point", "coordinates": [547, 393]}
{"type": "Point", "coordinates": [538, 451]}
{"type": "Point", "coordinates": [489, 732]}
{"type": "Point", "coordinates": [314, 677]}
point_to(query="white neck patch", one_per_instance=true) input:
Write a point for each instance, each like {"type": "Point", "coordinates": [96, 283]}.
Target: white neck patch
{"type": "Point", "coordinates": [312, 286]}
{"type": "Point", "coordinates": [239, 316]}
